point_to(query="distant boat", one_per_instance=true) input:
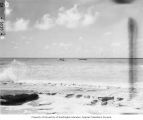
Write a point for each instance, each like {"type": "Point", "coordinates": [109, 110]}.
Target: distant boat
{"type": "Point", "coordinates": [82, 59]}
{"type": "Point", "coordinates": [61, 59]}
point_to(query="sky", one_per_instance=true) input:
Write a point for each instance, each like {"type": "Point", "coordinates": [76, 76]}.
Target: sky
{"type": "Point", "coordinates": [70, 28]}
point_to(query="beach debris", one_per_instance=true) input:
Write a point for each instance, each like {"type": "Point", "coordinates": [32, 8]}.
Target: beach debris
{"type": "Point", "coordinates": [138, 108]}
{"type": "Point", "coordinates": [120, 99]}
{"type": "Point", "coordinates": [104, 103]}
{"type": "Point", "coordinates": [33, 103]}
{"type": "Point", "coordinates": [5, 82]}
{"type": "Point", "coordinates": [18, 99]}
{"type": "Point", "coordinates": [104, 99]}
{"type": "Point", "coordinates": [93, 102]}
{"type": "Point", "coordinates": [78, 96]}
{"type": "Point", "coordinates": [45, 109]}
{"type": "Point", "coordinates": [87, 96]}
{"type": "Point", "coordinates": [69, 95]}
{"type": "Point", "coordinates": [45, 104]}
{"type": "Point", "coordinates": [51, 93]}
{"type": "Point", "coordinates": [120, 105]}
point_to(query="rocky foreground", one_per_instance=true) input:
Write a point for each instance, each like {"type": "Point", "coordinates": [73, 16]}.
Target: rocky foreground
{"type": "Point", "coordinates": [17, 97]}
{"type": "Point", "coordinates": [61, 98]}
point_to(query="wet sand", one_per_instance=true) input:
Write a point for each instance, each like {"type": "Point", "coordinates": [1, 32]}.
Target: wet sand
{"type": "Point", "coordinates": [67, 99]}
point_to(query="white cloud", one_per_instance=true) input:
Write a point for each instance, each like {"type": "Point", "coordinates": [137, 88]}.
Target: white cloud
{"type": "Point", "coordinates": [27, 42]}
{"type": "Point", "coordinates": [64, 44]}
{"type": "Point", "coordinates": [87, 1]}
{"type": "Point", "coordinates": [61, 45]}
{"type": "Point", "coordinates": [80, 38]}
{"type": "Point", "coordinates": [89, 18]}
{"type": "Point", "coordinates": [26, 39]}
{"type": "Point", "coordinates": [73, 18]}
{"type": "Point", "coordinates": [19, 25]}
{"type": "Point", "coordinates": [45, 23]}
{"type": "Point", "coordinates": [69, 18]}
{"type": "Point", "coordinates": [8, 10]}
{"type": "Point", "coordinates": [46, 47]}
{"type": "Point", "coordinates": [108, 33]}
{"type": "Point", "coordinates": [15, 47]}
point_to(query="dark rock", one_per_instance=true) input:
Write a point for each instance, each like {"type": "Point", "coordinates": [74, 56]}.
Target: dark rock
{"type": "Point", "coordinates": [130, 113]}
{"type": "Point", "coordinates": [119, 99]}
{"type": "Point", "coordinates": [51, 93]}
{"type": "Point", "coordinates": [78, 96]}
{"type": "Point", "coordinates": [94, 102]}
{"type": "Point", "coordinates": [87, 96]}
{"type": "Point", "coordinates": [104, 103]}
{"type": "Point", "coordinates": [4, 83]}
{"type": "Point", "coordinates": [48, 93]}
{"type": "Point", "coordinates": [120, 105]}
{"type": "Point", "coordinates": [18, 99]}
{"type": "Point", "coordinates": [45, 104]}
{"type": "Point", "coordinates": [69, 95]}
{"type": "Point", "coordinates": [103, 99]}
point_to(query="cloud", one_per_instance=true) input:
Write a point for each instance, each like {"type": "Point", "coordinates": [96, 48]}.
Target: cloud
{"type": "Point", "coordinates": [46, 47]}
{"type": "Point", "coordinates": [18, 25]}
{"type": "Point", "coordinates": [87, 1]}
{"type": "Point", "coordinates": [108, 33]}
{"type": "Point", "coordinates": [45, 23]}
{"type": "Point", "coordinates": [64, 44]}
{"type": "Point", "coordinates": [80, 38]}
{"type": "Point", "coordinates": [73, 18]}
{"type": "Point", "coordinates": [89, 18]}
{"type": "Point", "coordinates": [8, 10]}
{"type": "Point", "coordinates": [69, 18]}
{"type": "Point", "coordinates": [61, 45]}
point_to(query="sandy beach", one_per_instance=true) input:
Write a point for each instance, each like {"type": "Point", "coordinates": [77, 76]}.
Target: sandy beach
{"type": "Point", "coordinates": [68, 99]}
{"type": "Point", "coordinates": [72, 86]}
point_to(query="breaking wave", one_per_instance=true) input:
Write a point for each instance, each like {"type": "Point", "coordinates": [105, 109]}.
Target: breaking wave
{"type": "Point", "coordinates": [14, 71]}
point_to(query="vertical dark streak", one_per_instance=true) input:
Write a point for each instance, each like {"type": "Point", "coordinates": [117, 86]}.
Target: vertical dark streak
{"type": "Point", "coordinates": [2, 18]}
{"type": "Point", "coordinates": [123, 1]}
{"type": "Point", "coordinates": [132, 29]}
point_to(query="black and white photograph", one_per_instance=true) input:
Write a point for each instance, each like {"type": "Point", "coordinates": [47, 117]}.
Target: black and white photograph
{"type": "Point", "coordinates": [67, 57]}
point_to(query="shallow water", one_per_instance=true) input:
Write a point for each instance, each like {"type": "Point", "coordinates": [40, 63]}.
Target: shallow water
{"type": "Point", "coordinates": [108, 71]}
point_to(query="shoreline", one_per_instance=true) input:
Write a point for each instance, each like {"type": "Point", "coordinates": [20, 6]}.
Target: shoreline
{"type": "Point", "coordinates": [56, 98]}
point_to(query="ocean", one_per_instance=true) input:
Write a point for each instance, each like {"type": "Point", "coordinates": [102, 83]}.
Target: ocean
{"type": "Point", "coordinates": [81, 71]}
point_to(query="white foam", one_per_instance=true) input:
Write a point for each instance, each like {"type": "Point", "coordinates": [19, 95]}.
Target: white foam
{"type": "Point", "coordinates": [13, 71]}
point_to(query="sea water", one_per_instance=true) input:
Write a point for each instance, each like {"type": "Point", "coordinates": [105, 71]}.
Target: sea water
{"type": "Point", "coordinates": [81, 71]}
